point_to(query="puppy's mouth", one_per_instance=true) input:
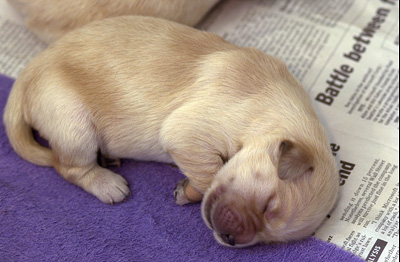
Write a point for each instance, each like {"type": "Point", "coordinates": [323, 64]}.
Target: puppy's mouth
{"type": "Point", "coordinates": [233, 225]}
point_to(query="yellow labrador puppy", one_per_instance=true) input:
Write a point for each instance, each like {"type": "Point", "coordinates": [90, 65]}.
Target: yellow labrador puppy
{"type": "Point", "coordinates": [234, 120]}
{"type": "Point", "coordinates": [52, 19]}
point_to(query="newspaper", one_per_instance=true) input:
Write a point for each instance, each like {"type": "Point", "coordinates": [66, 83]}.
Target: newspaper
{"type": "Point", "coordinates": [17, 44]}
{"type": "Point", "coordinates": [346, 55]}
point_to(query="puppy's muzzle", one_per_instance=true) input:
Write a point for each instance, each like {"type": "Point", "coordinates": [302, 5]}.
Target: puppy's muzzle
{"type": "Point", "coordinates": [227, 220]}
{"type": "Point", "coordinates": [231, 218]}
{"type": "Point", "coordinates": [229, 239]}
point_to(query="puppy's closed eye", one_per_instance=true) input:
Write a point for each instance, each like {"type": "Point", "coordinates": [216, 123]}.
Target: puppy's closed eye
{"type": "Point", "coordinates": [224, 159]}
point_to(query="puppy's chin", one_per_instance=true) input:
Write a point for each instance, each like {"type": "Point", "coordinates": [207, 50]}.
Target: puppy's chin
{"type": "Point", "coordinates": [207, 204]}
{"type": "Point", "coordinates": [223, 241]}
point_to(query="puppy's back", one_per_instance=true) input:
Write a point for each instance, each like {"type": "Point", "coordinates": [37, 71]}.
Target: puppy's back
{"type": "Point", "coordinates": [155, 57]}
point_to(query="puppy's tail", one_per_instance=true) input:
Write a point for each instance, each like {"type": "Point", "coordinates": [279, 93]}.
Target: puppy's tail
{"type": "Point", "coordinates": [20, 132]}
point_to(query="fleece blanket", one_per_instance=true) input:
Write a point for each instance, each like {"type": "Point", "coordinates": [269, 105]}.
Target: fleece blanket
{"type": "Point", "coordinates": [45, 218]}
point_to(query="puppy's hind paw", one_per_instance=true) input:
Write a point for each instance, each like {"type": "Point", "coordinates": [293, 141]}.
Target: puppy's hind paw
{"type": "Point", "coordinates": [109, 187]}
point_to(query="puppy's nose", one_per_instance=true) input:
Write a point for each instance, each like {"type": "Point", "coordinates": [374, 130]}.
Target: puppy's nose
{"type": "Point", "coordinates": [229, 239]}
{"type": "Point", "coordinates": [228, 222]}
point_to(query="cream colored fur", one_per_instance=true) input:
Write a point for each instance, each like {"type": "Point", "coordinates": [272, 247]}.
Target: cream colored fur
{"type": "Point", "coordinates": [52, 19]}
{"type": "Point", "coordinates": [233, 119]}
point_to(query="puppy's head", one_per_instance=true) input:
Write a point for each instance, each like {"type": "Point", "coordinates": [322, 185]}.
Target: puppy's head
{"type": "Point", "coordinates": [271, 191]}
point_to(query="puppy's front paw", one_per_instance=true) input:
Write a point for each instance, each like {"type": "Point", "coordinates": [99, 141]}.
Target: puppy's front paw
{"type": "Point", "coordinates": [185, 193]}
{"type": "Point", "coordinates": [109, 187]}
{"type": "Point", "coordinates": [179, 193]}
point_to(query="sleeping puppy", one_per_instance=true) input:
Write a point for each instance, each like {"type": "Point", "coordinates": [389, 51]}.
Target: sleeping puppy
{"type": "Point", "coordinates": [49, 20]}
{"type": "Point", "coordinates": [234, 120]}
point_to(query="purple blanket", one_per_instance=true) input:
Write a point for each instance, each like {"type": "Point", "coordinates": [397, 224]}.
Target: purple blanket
{"type": "Point", "coordinates": [45, 218]}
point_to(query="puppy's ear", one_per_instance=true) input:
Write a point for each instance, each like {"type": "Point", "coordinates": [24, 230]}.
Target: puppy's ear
{"type": "Point", "coordinates": [293, 160]}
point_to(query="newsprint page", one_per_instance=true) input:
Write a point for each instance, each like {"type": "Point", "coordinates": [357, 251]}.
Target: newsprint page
{"type": "Point", "coordinates": [346, 55]}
